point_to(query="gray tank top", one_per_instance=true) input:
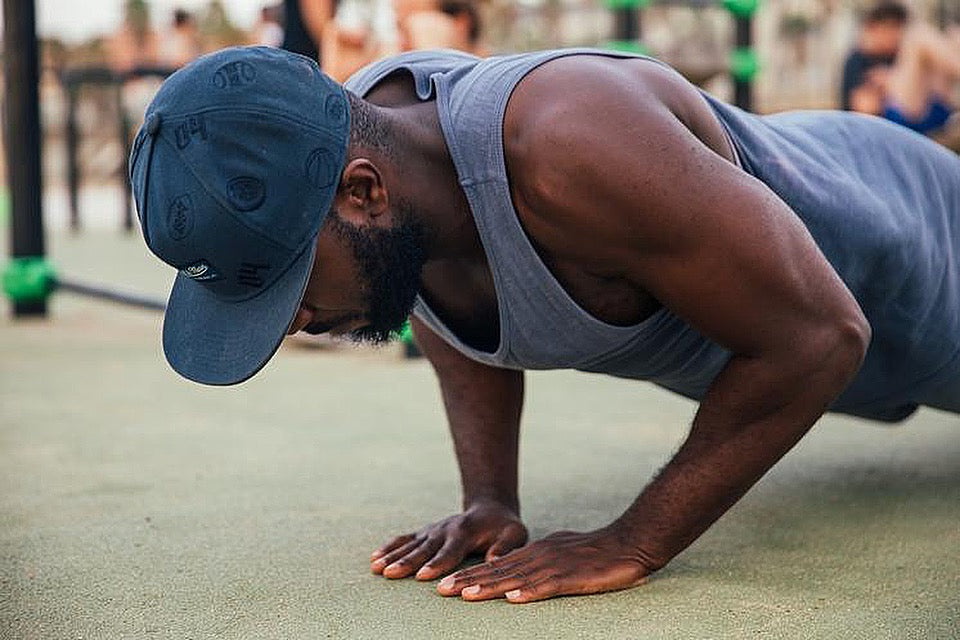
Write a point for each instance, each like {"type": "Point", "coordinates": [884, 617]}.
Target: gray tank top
{"type": "Point", "coordinates": [871, 204]}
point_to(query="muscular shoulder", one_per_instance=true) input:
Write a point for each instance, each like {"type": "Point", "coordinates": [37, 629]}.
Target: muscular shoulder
{"type": "Point", "coordinates": [580, 123]}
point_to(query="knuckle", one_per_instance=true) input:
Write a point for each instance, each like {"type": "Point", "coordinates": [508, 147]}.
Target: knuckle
{"type": "Point", "coordinates": [460, 526]}
{"type": "Point", "coordinates": [550, 584]}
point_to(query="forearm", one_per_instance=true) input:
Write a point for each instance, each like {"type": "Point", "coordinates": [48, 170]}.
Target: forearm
{"type": "Point", "coordinates": [483, 406]}
{"type": "Point", "coordinates": [484, 424]}
{"type": "Point", "coordinates": [754, 413]}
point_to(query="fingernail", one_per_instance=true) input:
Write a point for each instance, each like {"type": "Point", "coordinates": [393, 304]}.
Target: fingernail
{"type": "Point", "coordinates": [446, 583]}
{"type": "Point", "coordinates": [471, 591]}
{"type": "Point", "coordinates": [512, 594]}
{"type": "Point", "coordinates": [375, 555]}
{"type": "Point", "coordinates": [422, 571]}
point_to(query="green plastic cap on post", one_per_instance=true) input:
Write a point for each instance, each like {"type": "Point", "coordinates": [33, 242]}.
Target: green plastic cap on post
{"type": "Point", "coordinates": [741, 8]}
{"type": "Point", "coordinates": [744, 64]}
{"type": "Point", "coordinates": [627, 4]}
{"type": "Point", "coordinates": [28, 279]}
{"type": "Point", "coordinates": [628, 46]}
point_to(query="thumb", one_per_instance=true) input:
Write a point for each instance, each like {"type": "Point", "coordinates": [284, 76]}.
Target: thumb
{"type": "Point", "coordinates": [512, 537]}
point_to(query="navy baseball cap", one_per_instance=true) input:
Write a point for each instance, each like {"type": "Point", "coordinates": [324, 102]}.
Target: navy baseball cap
{"type": "Point", "coordinates": [233, 172]}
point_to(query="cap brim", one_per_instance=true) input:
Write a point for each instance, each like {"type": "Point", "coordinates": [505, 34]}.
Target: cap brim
{"type": "Point", "coordinates": [212, 341]}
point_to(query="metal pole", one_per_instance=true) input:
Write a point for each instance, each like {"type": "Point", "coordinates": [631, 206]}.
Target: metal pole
{"type": "Point", "coordinates": [123, 131]}
{"type": "Point", "coordinates": [72, 146]}
{"type": "Point", "coordinates": [103, 293]}
{"type": "Point", "coordinates": [23, 137]}
{"type": "Point", "coordinates": [743, 89]}
{"type": "Point", "coordinates": [626, 25]}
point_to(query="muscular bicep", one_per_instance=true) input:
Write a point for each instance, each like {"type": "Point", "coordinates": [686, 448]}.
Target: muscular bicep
{"type": "Point", "coordinates": [637, 187]}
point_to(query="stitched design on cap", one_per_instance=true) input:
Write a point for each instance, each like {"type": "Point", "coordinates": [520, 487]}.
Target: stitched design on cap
{"type": "Point", "coordinates": [321, 170]}
{"type": "Point", "coordinates": [249, 273]}
{"type": "Point", "coordinates": [336, 109]}
{"type": "Point", "coordinates": [200, 271]}
{"type": "Point", "coordinates": [190, 129]}
{"type": "Point", "coordinates": [246, 193]}
{"type": "Point", "coordinates": [234, 74]}
{"type": "Point", "coordinates": [180, 217]}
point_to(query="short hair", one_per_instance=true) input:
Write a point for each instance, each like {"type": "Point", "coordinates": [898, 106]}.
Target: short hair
{"type": "Point", "coordinates": [887, 11]}
{"type": "Point", "coordinates": [181, 17]}
{"type": "Point", "coordinates": [368, 128]}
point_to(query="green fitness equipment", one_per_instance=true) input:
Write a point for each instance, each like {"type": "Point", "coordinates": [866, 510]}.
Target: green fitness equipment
{"type": "Point", "coordinates": [741, 8]}
{"type": "Point", "coordinates": [32, 280]}
{"type": "Point", "coordinates": [410, 348]}
{"type": "Point", "coordinates": [28, 279]}
{"type": "Point", "coordinates": [626, 15]}
{"type": "Point", "coordinates": [744, 63]}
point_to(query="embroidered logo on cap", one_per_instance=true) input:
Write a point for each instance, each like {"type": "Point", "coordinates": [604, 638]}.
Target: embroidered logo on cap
{"type": "Point", "coordinates": [201, 271]}
{"type": "Point", "coordinates": [246, 193]}
{"type": "Point", "coordinates": [189, 129]}
{"type": "Point", "coordinates": [234, 74]}
{"type": "Point", "coordinates": [249, 273]}
{"type": "Point", "coordinates": [180, 217]}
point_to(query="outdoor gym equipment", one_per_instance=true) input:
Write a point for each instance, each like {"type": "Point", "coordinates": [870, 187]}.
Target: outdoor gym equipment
{"type": "Point", "coordinates": [743, 63]}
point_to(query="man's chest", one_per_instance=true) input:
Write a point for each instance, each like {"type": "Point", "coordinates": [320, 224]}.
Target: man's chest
{"type": "Point", "coordinates": [464, 295]}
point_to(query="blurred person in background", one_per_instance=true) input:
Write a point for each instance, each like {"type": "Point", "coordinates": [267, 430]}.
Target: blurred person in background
{"type": "Point", "coordinates": [349, 41]}
{"type": "Point", "coordinates": [453, 24]}
{"type": "Point", "coordinates": [901, 70]}
{"type": "Point", "coordinates": [181, 42]}
{"type": "Point", "coordinates": [439, 24]}
{"type": "Point", "coordinates": [134, 44]}
{"type": "Point", "coordinates": [403, 10]}
{"type": "Point", "coordinates": [217, 30]}
{"type": "Point", "coordinates": [268, 30]}
{"type": "Point", "coordinates": [310, 29]}
{"type": "Point", "coordinates": [303, 25]}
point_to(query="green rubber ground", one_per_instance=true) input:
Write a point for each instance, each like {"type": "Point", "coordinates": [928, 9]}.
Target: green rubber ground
{"type": "Point", "coordinates": [137, 505]}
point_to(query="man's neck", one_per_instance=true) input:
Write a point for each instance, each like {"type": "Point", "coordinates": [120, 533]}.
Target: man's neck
{"type": "Point", "coordinates": [423, 174]}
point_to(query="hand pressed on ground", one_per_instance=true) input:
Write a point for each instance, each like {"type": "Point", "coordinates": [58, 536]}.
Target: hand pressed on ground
{"type": "Point", "coordinates": [564, 563]}
{"type": "Point", "coordinates": [485, 527]}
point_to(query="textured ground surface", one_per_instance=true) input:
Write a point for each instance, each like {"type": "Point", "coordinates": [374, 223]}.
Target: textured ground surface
{"type": "Point", "coordinates": [136, 505]}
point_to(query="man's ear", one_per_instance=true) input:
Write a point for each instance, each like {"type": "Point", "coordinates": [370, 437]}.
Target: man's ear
{"type": "Point", "coordinates": [362, 196]}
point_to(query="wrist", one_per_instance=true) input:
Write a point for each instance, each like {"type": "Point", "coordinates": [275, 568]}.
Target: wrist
{"type": "Point", "coordinates": [636, 545]}
{"type": "Point", "coordinates": [500, 501]}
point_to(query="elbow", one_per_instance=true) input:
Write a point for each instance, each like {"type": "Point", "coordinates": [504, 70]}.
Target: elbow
{"type": "Point", "coordinates": [856, 335]}
{"type": "Point", "coordinates": [844, 343]}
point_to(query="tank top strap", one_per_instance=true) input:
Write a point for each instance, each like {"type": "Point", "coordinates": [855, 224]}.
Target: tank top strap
{"type": "Point", "coordinates": [422, 65]}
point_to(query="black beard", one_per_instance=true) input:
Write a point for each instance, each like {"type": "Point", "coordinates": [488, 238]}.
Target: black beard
{"type": "Point", "coordinates": [390, 262]}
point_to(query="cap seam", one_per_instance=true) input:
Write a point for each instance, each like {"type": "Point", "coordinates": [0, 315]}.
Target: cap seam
{"type": "Point", "coordinates": [298, 249]}
{"type": "Point", "coordinates": [221, 201]}
{"type": "Point", "coordinates": [248, 110]}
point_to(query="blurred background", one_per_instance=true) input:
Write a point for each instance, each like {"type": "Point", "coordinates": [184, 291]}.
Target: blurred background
{"type": "Point", "coordinates": [136, 504]}
{"type": "Point", "coordinates": [102, 60]}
